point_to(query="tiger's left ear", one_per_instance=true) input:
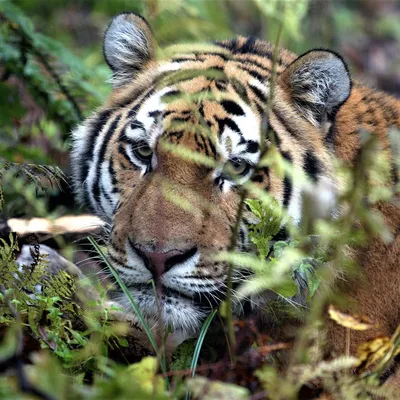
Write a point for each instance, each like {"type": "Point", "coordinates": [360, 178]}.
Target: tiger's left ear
{"type": "Point", "coordinates": [318, 83]}
{"type": "Point", "coordinates": [128, 46]}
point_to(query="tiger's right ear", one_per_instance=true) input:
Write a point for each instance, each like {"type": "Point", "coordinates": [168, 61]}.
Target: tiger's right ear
{"type": "Point", "coordinates": [128, 46]}
{"type": "Point", "coordinates": [318, 83]}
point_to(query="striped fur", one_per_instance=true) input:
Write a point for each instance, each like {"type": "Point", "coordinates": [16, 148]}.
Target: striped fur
{"type": "Point", "coordinates": [159, 202]}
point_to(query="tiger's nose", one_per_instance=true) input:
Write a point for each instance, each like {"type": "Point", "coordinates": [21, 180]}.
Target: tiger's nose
{"type": "Point", "coordinates": [159, 261]}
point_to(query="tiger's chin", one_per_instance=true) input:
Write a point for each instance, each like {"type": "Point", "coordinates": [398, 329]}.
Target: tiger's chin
{"type": "Point", "coordinates": [181, 315]}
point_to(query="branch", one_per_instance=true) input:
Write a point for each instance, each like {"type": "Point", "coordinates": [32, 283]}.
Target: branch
{"type": "Point", "coordinates": [42, 56]}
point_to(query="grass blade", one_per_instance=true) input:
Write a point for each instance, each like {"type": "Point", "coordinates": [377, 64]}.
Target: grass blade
{"type": "Point", "coordinates": [199, 345]}
{"type": "Point", "coordinates": [131, 300]}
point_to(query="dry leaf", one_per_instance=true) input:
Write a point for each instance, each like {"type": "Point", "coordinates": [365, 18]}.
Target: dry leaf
{"type": "Point", "coordinates": [353, 321]}
{"type": "Point", "coordinates": [373, 351]}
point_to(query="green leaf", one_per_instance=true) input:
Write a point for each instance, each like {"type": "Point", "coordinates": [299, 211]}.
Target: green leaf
{"type": "Point", "coordinates": [183, 355]}
{"type": "Point", "coordinates": [286, 289]}
{"type": "Point", "coordinates": [270, 220]}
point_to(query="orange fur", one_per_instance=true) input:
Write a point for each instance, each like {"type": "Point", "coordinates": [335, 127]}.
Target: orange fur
{"type": "Point", "coordinates": [377, 293]}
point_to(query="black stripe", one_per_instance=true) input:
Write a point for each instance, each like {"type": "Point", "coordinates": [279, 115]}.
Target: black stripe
{"type": "Point", "coordinates": [286, 155]}
{"type": "Point", "coordinates": [282, 234]}
{"type": "Point", "coordinates": [227, 122]}
{"type": "Point", "coordinates": [105, 194]}
{"type": "Point", "coordinates": [395, 174]}
{"type": "Point", "coordinates": [180, 112]}
{"type": "Point", "coordinates": [261, 78]}
{"type": "Point", "coordinates": [232, 108]}
{"type": "Point", "coordinates": [135, 124]}
{"type": "Point", "coordinates": [251, 61]}
{"type": "Point", "coordinates": [133, 111]}
{"type": "Point", "coordinates": [154, 114]}
{"type": "Point", "coordinates": [181, 119]}
{"type": "Point", "coordinates": [280, 118]}
{"type": "Point", "coordinates": [311, 165]}
{"type": "Point", "coordinates": [228, 44]}
{"type": "Point", "coordinates": [252, 146]}
{"type": "Point", "coordinates": [248, 47]}
{"type": "Point", "coordinates": [266, 172]}
{"type": "Point", "coordinates": [277, 139]}
{"type": "Point", "coordinates": [205, 142]}
{"type": "Point", "coordinates": [259, 108]}
{"type": "Point", "coordinates": [122, 151]}
{"type": "Point", "coordinates": [94, 130]}
{"type": "Point", "coordinates": [212, 147]}
{"type": "Point", "coordinates": [222, 56]}
{"type": "Point", "coordinates": [112, 258]}
{"type": "Point", "coordinates": [287, 184]}
{"type": "Point", "coordinates": [260, 94]}
{"type": "Point", "coordinates": [138, 99]}
{"type": "Point", "coordinates": [106, 139]}
{"type": "Point", "coordinates": [221, 85]}
{"type": "Point", "coordinates": [183, 59]}
{"type": "Point", "coordinates": [259, 178]}
{"type": "Point", "coordinates": [287, 191]}
{"type": "Point", "coordinates": [112, 173]}
{"type": "Point", "coordinates": [197, 140]}
{"type": "Point", "coordinates": [176, 134]}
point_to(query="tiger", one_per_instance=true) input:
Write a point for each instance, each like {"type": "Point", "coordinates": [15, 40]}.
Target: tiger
{"type": "Point", "coordinates": [169, 213]}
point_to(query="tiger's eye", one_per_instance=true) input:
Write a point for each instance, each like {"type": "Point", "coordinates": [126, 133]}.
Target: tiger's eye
{"type": "Point", "coordinates": [143, 151]}
{"type": "Point", "coordinates": [237, 167]}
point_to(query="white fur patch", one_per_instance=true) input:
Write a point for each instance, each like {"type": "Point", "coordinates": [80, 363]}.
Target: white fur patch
{"type": "Point", "coordinates": [179, 313]}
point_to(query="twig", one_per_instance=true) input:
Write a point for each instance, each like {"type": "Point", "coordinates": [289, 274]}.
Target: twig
{"type": "Point", "coordinates": [232, 246]}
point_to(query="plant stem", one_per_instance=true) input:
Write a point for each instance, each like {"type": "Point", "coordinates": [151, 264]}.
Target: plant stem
{"type": "Point", "coordinates": [232, 246]}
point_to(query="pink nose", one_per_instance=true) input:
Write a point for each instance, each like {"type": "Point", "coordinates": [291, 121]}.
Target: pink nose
{"type": "Point", "coordinates": [158, 263]}
{"type": "Point", "coordinates": [158, 260]}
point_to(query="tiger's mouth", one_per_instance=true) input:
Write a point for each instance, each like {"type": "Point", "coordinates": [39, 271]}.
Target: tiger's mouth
{"type": "Point", "coordinates": [180, 310]}
{"type": "Point", "coordinates": [205, 300]}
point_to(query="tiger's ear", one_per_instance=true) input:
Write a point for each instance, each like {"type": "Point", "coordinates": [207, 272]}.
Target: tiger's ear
{"type": "Point", "coordinates": [128, 46]}
{"type": "Point", "coordinates": [318, 83]}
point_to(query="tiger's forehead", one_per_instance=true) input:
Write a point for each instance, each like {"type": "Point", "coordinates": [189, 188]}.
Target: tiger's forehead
{"type": "Point", "coordinates": [221, 98]}
{"type": "Point", "coordinates": [224, 118]}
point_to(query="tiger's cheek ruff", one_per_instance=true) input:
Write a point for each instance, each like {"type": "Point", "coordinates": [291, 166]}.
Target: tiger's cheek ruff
{"type": "Point", "coordinates": [94, 177]}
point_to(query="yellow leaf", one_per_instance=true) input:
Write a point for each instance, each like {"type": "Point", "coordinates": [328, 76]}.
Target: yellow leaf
{"type": "Point", "coordinates": [353, 321]}
{"type": "Point", "coordinates": [375, 350]}
{"type": "Point", "coordinates": [144, 372]}
{"type": "Point", "coordinates": [369, 353]}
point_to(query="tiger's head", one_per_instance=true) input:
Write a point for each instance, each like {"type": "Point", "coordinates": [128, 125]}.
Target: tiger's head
{"type": "Point", "coordinates": [171, 211]}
